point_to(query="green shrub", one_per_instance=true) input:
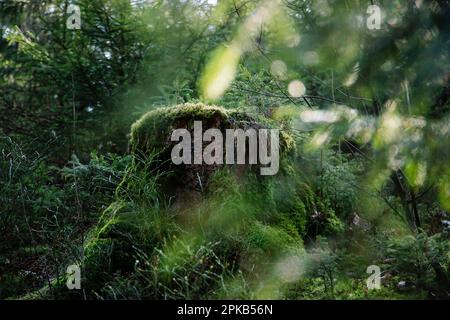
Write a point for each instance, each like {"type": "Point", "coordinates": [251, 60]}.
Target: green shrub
{"type": "Point", "coordinates": [422, 261]}
{"type": "Point", "coordinates": [46, 211]}
{"type": "Point", "coordinates": [184, 268]}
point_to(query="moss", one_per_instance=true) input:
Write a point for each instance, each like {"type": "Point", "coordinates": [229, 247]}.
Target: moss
{"type": "Point", "coordinates": [123, 232]}
{"type": "Point", "coordinates": [104, 260]}
{"type": "Point", "coordinates": [272, 240]}
{"type": "Point", "coordinates": [295, 200]}
{"type": "Point", "coordinates": [299, 217]}
{"type": "Point", "coordinates": [150, 137]}
{"type": "Point", "coordinates": [288, 145]}
{"type": "Point", "coordinates": [223, 182]}
{"type": "Point", "coordinates": [98, 262]}
{"type": "Point", "coordinates": [145, 226]}
{"type": "Point", "coordinates": [152, 129]}
{"type": "Point", "coordinates": [150, 133]}
{"type": "Point", "coordinates": [288, 225]}
{"type": "Point", "coordinates": [136, 223]}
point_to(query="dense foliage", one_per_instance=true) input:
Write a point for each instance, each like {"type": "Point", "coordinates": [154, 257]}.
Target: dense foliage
{"type": "Point", "coordinates": [364, 174]}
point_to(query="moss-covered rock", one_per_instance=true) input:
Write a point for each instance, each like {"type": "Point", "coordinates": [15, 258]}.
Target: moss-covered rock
{"type": "Point", "coordinates": [150, 139]}
{"type": "Point", "coordinates": [235, 207]}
